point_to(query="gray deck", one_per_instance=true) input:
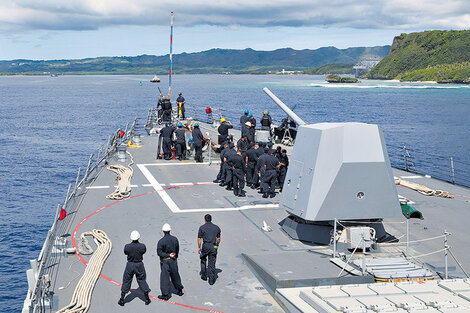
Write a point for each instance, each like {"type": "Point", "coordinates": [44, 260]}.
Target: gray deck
{"type": "Point", "coordinates": [188, 196]}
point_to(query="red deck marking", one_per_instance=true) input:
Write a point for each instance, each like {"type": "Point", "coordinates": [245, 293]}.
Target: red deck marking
{"type": "Point", "coordinates": [74, 235]}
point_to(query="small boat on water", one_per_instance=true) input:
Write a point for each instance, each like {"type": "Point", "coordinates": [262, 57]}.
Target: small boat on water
{"type": "Point", "coordinates": [155, 79]}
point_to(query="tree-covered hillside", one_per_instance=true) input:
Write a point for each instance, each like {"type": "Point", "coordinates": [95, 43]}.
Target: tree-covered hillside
{"type": "Point", "coordinates": [431, 55]}
{"type": "Point", "coordinates": [211, 61]}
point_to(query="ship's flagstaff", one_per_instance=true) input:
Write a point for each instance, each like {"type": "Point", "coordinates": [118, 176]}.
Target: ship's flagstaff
{"type": "Point", "coordinates": [171, 55]}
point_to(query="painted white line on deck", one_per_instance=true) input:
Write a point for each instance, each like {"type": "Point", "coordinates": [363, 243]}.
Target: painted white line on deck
{"type": "Point", "coordinates": [97, 187]}
{"type": "Point", "coordinates": [149, 185]}
{"type": "Point", "coordinates": [241, 208]}
{"type": "Point", "coordinates": [413, 176]}
{"type": "Point", "coordinates": [204, 182]}
{"type": "Point", "coordinates": [174, 207]}
{"type": "Point", "coordinates": [156, 185]}
{"type": "Point", "coordinates": [179, 164]}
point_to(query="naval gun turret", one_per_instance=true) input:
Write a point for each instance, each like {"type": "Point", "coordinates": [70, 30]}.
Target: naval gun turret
{"type": "Point", "coordinates": [336, 171]}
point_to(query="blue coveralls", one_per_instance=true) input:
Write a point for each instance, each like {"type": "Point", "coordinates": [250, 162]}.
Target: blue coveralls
{"type": "Point", "coordinates": [208, 233]}
{"type": "Point", "coordinates": [169, 266]}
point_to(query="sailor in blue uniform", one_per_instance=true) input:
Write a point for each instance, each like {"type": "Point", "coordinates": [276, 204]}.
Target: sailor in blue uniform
{"type": "Point", "coordinates": [244, 118]}
{"type": "Point", "coordinates": [229, 166]}
{"type": "Point", "coordinates": [209, 236]}
{"type": "Point", "coordinates": [260, 168]}
{"type": "Point", "coordinates": [223, 130]}
{"type": "Point", "coordinates": [180, 101]}
{"type": "Point", "coordinates": [221, 175]}
{"type": "Point", "coordinates": [284, 164]}
{"type": "Point", "coordinates": [167, 133]}
{"type": "Point", "coordinates": [250, 160]}
{"type": "Point", "coordinates": [180, 142]}
{"type": "Point", "coordinates": [135, 252]}
{"type": "Point", "coordinates": [198, 143]}
{"type": "Point", "coordinates": [268, 182]}
{"type": "Point", "coordinates": [167, 250]}
{"type": "Point", "coordinates": [255, 182]}
{"type": "Point", "coordinates": [238, 172]}
{"type": "Point", "coordinates": [165, 104]}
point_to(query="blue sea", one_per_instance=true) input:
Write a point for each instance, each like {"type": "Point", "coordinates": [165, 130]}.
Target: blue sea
{"type": "Point", "coordinates": [50, 125]}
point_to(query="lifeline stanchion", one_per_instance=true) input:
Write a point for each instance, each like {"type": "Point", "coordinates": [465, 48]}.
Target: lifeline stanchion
{"type": "Point", "coordinates": [334, 239]}
{"type": "Point", "coordinates": [407, 235]}
{"type": "Point", "coordinates": [446, 247]}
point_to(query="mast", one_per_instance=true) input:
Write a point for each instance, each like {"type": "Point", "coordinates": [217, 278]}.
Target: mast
{"type": "Point", "coordinates": [171, 55]}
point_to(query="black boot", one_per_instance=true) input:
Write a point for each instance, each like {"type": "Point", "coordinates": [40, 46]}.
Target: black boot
{"type": "Point", "coordinates": [241, 193]}
{"type": "Point", "coordinates": [222, 184]}
{"type": "Point", "coordinates": [229, 186]}
{"type": "Point", "coordinates": [121, 300]}
{"type": "Point", "coordinates": [265, 195]}
{"type": "Point", "coordinates": [235, 192]}
{"type": "Point", "coordinates": [272, 195]}
{"type": "Point", "coordinates": [147, 298]}
{"type": "Point", "coordinates": [164, 297]}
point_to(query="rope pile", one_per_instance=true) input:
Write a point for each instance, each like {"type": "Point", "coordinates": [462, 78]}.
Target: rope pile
{"type": "Point", "coordinates": [124, 175]}
{"type": "Point", "coordinates": [81, 298]}
{"type": "Point", "coordinates": [423, 189]}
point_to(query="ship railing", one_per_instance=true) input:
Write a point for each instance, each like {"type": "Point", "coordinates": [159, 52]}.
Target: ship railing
{"type": "Point", "coordinates": [446, 168]}
{"type": "Point", "coordinates": [397, 244]}
{"type": "Point", "coordinates": [44, 268]}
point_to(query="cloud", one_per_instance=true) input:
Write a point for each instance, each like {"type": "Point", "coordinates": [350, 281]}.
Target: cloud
{"type": "Point", "coordinates": [94, 14]}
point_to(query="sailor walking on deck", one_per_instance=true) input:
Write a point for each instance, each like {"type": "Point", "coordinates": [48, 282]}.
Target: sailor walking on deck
{"type": "Point", "coordinates": [134, 251]}
{"type": "Point", "coordinates": [167, 250]}
{"type": "Point", "coordinates": [209, 236]}
{"type": "Point", "coordinates": [180, 101]}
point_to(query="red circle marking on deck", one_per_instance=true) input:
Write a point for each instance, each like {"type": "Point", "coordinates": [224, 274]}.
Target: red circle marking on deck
{"type": "Point", "coordinates": [74, 235]}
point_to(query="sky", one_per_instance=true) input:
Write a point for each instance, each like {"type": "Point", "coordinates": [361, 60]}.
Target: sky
{"type": "Point", "coordinates": [73, 29]}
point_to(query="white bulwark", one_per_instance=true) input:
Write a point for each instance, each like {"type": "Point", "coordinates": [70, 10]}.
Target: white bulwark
{"type": "Point", "coordinates": [340, 170]}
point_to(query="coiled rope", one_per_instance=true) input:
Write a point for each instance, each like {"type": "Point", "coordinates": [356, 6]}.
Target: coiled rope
{"type": "Point", "coordinates": [124, 175]}
{"type": "Point", "coordinates": [81, 298]}
{"type": "Point", "coordinates": [422, 189]}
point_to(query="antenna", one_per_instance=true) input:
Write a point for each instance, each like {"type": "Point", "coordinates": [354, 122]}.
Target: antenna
{"type": "Point", "coordinates": [171, 55]}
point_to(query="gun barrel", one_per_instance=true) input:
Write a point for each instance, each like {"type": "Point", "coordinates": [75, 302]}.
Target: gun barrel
{"type": "Point", "coordinates": [284, 107]}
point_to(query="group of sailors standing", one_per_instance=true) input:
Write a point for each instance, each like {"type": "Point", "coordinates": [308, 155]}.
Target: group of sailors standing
{"type": "Point", "coordinates": [255, 164]}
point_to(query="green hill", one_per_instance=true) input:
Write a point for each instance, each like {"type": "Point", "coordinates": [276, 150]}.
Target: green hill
{"type": "Point", "coordinates": [210, 61]}
{"type": "Point", "coordinates": [442, 56]}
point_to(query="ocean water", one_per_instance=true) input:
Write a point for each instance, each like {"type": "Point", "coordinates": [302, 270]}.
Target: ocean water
{"type": "Point", "coordinates": [50, 125]}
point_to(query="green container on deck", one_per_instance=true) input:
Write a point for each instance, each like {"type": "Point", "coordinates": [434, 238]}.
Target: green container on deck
{"type": "Point", "coordinates": [410, 212]}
